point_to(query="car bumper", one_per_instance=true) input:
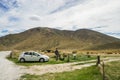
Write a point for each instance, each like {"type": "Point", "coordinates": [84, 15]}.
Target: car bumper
{"type": "Point", "coordinates": [46, 59]}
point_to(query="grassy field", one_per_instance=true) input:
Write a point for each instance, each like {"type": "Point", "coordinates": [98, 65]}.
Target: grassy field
{"type": "Point", "coordinates": [112, 70]}
{"type": "Point", "coordinates": [81, 56]}
{"type": "Point", "coordinates": [90, 73]}
{"type": "Point", "coordinates": [53, 60]}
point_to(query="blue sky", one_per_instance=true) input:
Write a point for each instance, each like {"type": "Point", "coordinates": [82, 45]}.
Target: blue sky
{"type": "Point", "coordinates": [100, 15]}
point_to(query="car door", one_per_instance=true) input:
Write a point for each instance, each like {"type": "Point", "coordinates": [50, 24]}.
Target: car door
{"type": "Point", "coordinates": [35, 57]}
{"type": "Point", "coordinates": [28, 56]}
{"type": "Point", "coordinates": [32, 58]}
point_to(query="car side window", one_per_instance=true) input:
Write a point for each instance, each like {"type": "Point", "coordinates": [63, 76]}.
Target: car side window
{"type": "Point", "coordinates": [30, 53]}
{"type": "Point", "coordinates": [26, 53]}
{"type": "Point", "coordinates": [35, 54]}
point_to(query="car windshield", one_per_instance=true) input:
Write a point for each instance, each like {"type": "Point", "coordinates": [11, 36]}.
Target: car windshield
{"type": "Point", "coordinates": [36, 54]}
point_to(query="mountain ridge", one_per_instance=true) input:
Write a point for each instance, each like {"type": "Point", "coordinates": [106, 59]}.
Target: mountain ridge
{"type": "Point", "coordinates": [49, 38]}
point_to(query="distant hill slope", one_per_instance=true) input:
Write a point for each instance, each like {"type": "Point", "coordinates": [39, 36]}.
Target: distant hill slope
{"type": "Point", "coordinates": [48, 38]}
{"type": "Point", "coordinates": [2, 47]}
{"type": "Point", "coordinates": [113, 45]}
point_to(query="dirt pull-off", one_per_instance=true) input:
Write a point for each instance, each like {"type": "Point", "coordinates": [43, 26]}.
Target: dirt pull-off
{"type": "Point", "coordinates": [8, 70]}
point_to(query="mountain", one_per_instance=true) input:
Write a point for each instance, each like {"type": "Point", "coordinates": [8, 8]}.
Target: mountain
{"type": "Point", "coordinates": [48, 38]}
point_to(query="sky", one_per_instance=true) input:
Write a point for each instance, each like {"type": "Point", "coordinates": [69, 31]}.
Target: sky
{"type": "Point", "coordinates": [99, 15]}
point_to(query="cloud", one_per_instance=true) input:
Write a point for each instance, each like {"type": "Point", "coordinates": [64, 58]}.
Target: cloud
{"type": "Point", "coordinates": [117, 34]}
{"type": "Point", "coordinates": [35, 18]}
{"type": "Point", "coordinates": [67, 4]}
{"type": "Point", "coordinates": [60, 28]}
{"type": "Point", "coordinates": [99, 15]}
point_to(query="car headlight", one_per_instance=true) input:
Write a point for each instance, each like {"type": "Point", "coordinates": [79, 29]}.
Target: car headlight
{"type": "Point", "coordinates": [47, 57]}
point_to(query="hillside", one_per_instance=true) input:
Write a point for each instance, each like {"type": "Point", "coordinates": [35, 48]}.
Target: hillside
{"type": "Point", "coordinates": [48, 38]}
{"type": "Point", "coordinates": [113, 45]}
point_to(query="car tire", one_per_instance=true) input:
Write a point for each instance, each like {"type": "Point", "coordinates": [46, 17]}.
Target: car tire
{"type": "Point", "coordinates": [22, 60]}
{"type": "Point", "coordinates": [42, 60]}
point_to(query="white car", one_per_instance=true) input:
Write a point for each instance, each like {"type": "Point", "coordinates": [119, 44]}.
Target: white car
{"type": "Point", "coordinates": [32, 56]}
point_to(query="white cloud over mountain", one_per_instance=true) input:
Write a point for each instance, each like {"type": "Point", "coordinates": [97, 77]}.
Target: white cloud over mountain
{"type": "Point", "coordinates": [99, 15]}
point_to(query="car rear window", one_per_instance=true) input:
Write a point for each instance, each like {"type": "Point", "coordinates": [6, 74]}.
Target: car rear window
{"type": "Point", "coordinates": [28, 53]}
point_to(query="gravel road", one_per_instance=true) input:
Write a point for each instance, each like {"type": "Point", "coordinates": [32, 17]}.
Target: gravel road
{"type": "Point", "coordinates": [43, 69]}
{"type": "Point", "coordinates": [8, 70]}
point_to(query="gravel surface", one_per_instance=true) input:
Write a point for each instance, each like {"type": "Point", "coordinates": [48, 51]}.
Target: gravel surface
{"type": "Point", "coordinates": [43, 69]}
{"type": "Point", "coordinates": [8, 70]}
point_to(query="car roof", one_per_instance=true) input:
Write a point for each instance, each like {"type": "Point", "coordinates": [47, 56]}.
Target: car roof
{"type": "Point", "coordinates": [29, 51]}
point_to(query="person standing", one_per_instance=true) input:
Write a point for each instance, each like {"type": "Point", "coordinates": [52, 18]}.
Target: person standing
{"type": "Point", "coordinates": [57, 54]}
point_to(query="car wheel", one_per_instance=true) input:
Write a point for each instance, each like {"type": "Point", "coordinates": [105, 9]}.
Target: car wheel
{"type": "Point", "coordinates": [22, 60]}
{"type": "Point", "coordinates": [41, 60]}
